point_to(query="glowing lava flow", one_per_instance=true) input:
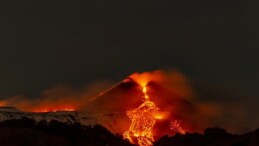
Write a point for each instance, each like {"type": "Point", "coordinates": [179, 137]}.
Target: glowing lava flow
{"type": "Point", "coordinates": [143, 119]}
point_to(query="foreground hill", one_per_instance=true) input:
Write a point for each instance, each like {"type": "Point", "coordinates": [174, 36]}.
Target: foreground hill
{"type": "Point", "coordinates": [211, 137]}
{"type": "Point", "coordinates": [28, 132]}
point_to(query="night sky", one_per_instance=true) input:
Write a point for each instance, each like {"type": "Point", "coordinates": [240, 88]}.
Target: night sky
{"type": "Point", "coordinates": [49, 42]}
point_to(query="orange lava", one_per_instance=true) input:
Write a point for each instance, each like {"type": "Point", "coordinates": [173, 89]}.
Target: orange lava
{"type": "Point", "coordinates": [143, 120]}
{"type": "Point", "coordinates": [175, 125]}
{"type": "Point", "coordinates": [144, 117]}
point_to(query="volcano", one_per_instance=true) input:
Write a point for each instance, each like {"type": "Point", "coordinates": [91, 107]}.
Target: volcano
{"type": "Point", "coordinates": [141, 109]}
{"type": "Point", "coordinates": [128, 95]}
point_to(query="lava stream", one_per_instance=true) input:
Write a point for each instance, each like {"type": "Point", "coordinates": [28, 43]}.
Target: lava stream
{"type": "Point", "coordinates": [143, 119]}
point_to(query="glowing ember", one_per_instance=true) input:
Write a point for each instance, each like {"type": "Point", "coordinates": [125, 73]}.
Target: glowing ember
{"type": "Point", "coordinates": [175, 125]}
{"type": "Point", "coordinates": [145, 92]}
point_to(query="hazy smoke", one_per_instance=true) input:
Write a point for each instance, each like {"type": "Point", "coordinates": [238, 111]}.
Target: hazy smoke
{"type": "Point", "coordinates": [170, 90]}
{"type": "Point", "coordinates": [173, 80]}
{"type": "Point", "coordinates": [58, 97]}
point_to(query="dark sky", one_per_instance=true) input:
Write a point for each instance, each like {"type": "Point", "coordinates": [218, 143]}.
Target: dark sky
{"type": "Point", "coordinates": [49, 42]}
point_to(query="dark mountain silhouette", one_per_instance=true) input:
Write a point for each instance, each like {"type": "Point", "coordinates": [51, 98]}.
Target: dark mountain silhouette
{"type": "Point", "coordinates": [27, 132]}
{"type": "Point", "coordinates": [211, 137]}
{"type": "Point", "coordinates": [124, 96]}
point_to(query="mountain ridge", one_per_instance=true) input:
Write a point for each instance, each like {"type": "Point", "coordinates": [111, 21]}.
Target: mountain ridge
{"type": "Point", "coordinates": [69, 117]}
{"type": "Point", "coordinates": [27, 132]}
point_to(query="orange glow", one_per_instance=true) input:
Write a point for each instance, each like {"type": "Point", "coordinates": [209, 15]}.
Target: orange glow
{"type": "Point", "coordinates": [46, 105]}
{"type": "Point", "coordinates": [145, 93]}
{"type": "Point", "coordinates": [159, 116]}
{"type": "Point", "coordinates": [175, 125]}
{"type": "Point", "coordinates": [144, 89]}
{"type": "Point", "coordinates": [143, 78]}
{"type": "Point", "coordinates": [44, 110]}
{"type": "Point", "coordinates": [2, 103]}
{"type": "Point", "coordinates": [150, 100]}
{"type": "Point", "coordinates": [143, 119]}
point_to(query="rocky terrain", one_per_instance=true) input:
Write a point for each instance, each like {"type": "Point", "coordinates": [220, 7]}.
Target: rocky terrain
{"type": "Point", "coordinates": [28, 132]}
